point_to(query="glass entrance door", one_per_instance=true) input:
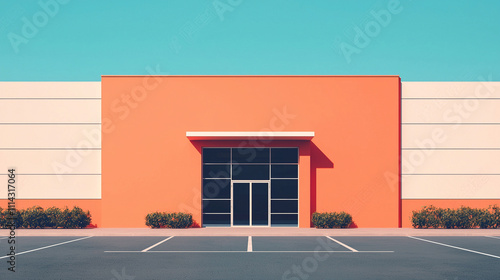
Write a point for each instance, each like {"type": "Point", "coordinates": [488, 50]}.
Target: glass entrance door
{"type": "Point", "coordinates": [241, 204]}
{"type": "Point", "coordinates": [250, 203]}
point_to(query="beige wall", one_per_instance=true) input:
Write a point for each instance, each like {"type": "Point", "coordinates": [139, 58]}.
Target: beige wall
{"type": "Point", "coordinates": [51, 110]}
{"type": "Point", "coordinates": [451, 140]}
{"type": "Point", "coordinates": [51, 135]}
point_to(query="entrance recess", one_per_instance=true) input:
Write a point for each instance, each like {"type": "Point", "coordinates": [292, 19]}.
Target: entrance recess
{"type": "Point", "coordinates": [250, 186]}
{"type": "Point", "coordinates": [250, 203]}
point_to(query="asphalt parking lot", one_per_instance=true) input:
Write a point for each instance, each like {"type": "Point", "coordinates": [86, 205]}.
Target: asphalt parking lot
{"type": "Point", "coordinates": [252, 257]}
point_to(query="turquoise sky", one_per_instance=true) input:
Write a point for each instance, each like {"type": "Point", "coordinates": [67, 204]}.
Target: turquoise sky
{"type": "Point", "coordinates": [420, 40]}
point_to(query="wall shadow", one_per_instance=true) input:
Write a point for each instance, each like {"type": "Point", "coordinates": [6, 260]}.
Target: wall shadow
{"type": "Point", "coordinates": [318, 160]}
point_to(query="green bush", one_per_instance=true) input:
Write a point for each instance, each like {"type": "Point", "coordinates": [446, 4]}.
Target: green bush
{"type": "Point", "coordinates": [331, 220]}
{"type": "Point", "coordinates": [37, 217]}
{"type": "Point", "coordinates": [6, 215]}
{"type": "Point", "coordinates": [495, 216]}
{"type": "Point", "coordinates": [75, 218]}
{"type": "Point", "coordinates": [426, 218]}
{"type": "Point", "coordinates": [154, 220]}
{"type": "Point", "coordinates": [34, 217]}
{"type": "Point", "coordinates": [463, 217]}
{"type": "Point", "coordinates": [169, 220]}
{"type": "Point", "coordinates": [2, 219]}
{"type": "Point", "coordinates": [446, 218]}
{"type": "Point", "coordinates": [489, 218]}
{"type": "Point", "coordinates": [53, 217]}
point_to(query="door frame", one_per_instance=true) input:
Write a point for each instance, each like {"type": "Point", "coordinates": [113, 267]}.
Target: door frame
{"type": "Point", "coordinates": [250, 182]}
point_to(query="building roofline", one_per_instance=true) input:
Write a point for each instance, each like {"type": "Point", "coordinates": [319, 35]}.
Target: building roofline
{"type": "Point", "coordinates": [211, 76]}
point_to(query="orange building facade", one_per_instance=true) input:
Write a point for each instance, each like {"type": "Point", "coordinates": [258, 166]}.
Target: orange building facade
{"type": "Point", "coordinates": [345, 129]}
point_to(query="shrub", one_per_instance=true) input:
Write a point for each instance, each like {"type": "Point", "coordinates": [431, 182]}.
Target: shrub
{"type": "Point", "coordinates": [485, 219]}
{"type": "Point", "coordinates": [37, 217]}
{"type": "Point", "coordinates": [179, 220]}
{"type": "Point", "coordinates": [2, 218]}
{"type": "Point", "coordinates": [75, 218]}
{"type": "Point", "coordinates": [426, 217]}
{"type": "Point", "coordinates": [154, 220]}
{"type": "Point", "coordinates": [7, 215]}
{"type": "Point", "coordinates": [489, 218]}
{"type": "Point", "coordinates": [81, 218]}
{"type": "Point", "coordinates": [463, 217]}
{"type": "Point", "coordinates": [495, 216]}
{"type": "Point", "coordinates": [53, 217]}
{"type": "Point", "coordinates": [34, 217]}
{"type": "Point", "coordinates": [446, 218]}
{"type": "Point", "coordinates": [331, 220]}
{"type": "Point", "coordinates": [169, 220]}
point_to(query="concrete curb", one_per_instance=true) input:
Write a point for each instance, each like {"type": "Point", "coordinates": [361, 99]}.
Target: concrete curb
{"type": "Point", "coordinates": [253, 232]}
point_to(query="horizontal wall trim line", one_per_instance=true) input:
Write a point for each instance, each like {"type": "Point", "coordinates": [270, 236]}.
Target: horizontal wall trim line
{"type": "Point", "coordinates": [451, 174]}
{"type": "Point", "coordinates": [253, 76]}
{"type": "Point", "coordinates": [54, 198]}
{"type": "Point", "coordinates": [450, 98]}
{"type": "Point", "coordinates": [50, 123]}
{"type": "Point", "coordinates": [450, 149]}
{"type": "Point", "coordinates": [55, 149]}
{"type": "Point", "coordinates": [450, 124]}
{"type": "Point", "coordinates": [50, 98]}
{"type": "Point", "coordinates": [47, 174]}
{"type": "Point", "coordinates": [450, 198]}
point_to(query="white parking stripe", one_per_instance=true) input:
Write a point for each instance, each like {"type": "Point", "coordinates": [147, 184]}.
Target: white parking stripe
{"type": "Point", "coordinates": [3, 237]}
{"type": "Point", "coordinates": [348, 247]}
{"type": "Point", "coordinates": [151, 247]}
{"type": "Point", "coordinates": [455, 247]}
{"type": "Point", "coordinates": [29, 251]}
{"type": "Point", "coordinates": [249, 247]}
{"type": "Point", "coordinates": [283, 252]}
{"type": "Point", "coordinates": [496, 237]}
